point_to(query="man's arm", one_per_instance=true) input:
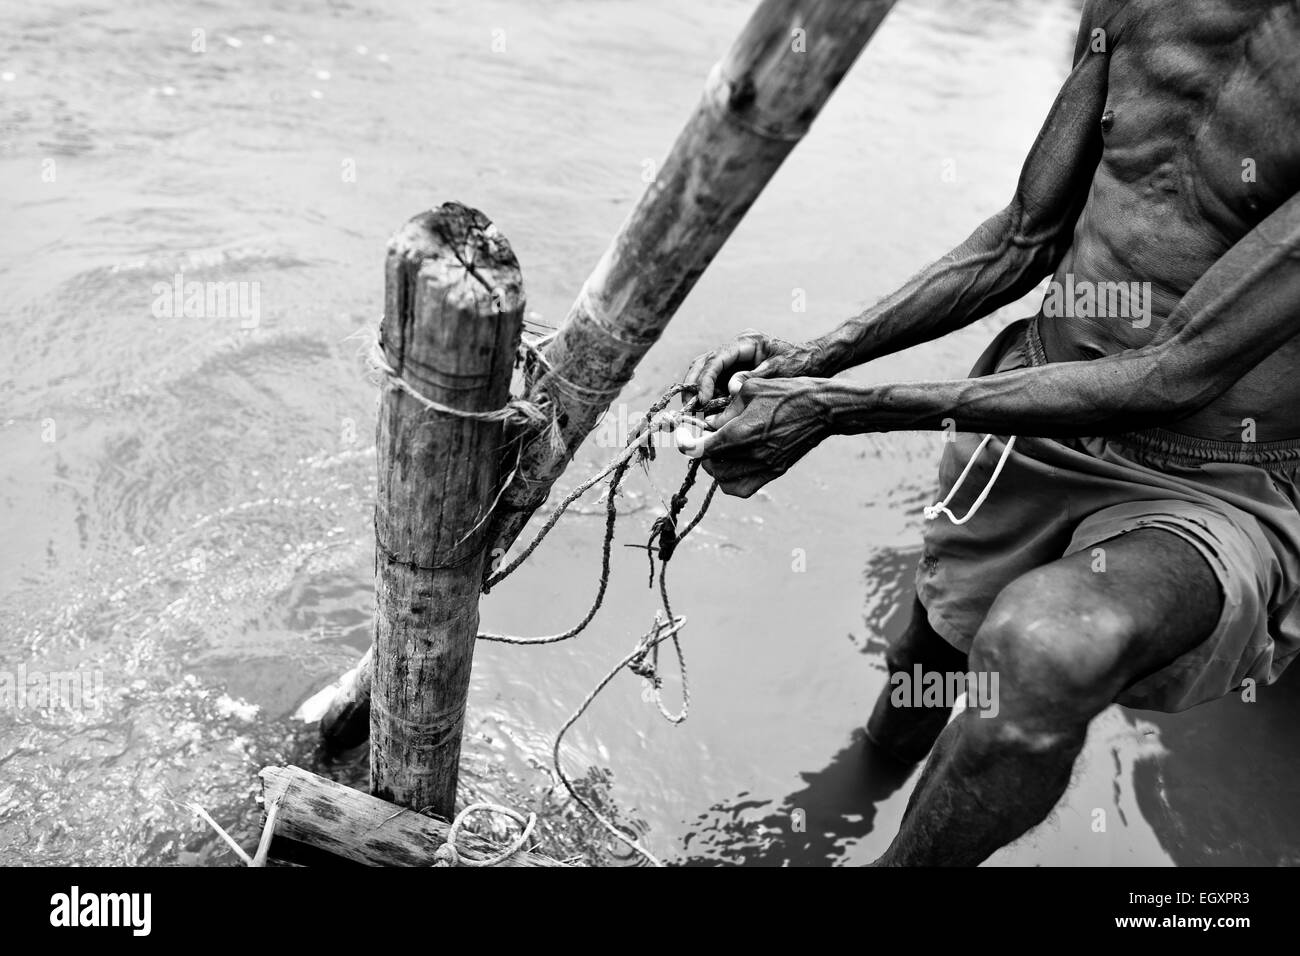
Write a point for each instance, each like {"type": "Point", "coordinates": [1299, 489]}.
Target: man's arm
{"type": "Point", "coordinates": [1001, 261]}
{"type": "Point", "coordinates": [1013, 250]}
{"type": "Point", "coordinates": [1245, 307]}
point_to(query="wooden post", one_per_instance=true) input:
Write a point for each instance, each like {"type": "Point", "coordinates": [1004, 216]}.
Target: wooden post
{"type": "Point", "coordinates": [757, 104]}
{"type": "Point", "coordinates": [343, 708]}
{"type": "Point", "coordinates": [452, 317]}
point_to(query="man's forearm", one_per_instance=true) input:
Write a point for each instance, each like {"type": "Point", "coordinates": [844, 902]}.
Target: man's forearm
{"type": "Point", "coordinates": [993, 267]}
{"type": "Point", "coordinates": [1067, 399]}
{"type": "Point", "coordinates": [1241, 310]}
{"type": "Point", "coordinates": [1007, 255]}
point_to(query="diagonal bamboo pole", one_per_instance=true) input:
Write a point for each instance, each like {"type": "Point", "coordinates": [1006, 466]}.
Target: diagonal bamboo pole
{"type": "Point", "coordinates": [758, 103]}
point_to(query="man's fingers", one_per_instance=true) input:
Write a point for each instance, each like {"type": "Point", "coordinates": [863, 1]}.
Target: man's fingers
{"type": "Point", "coordinates": [709, 443]}
{"type": "Point", "coordinates": [738, 353]}
{"type": "Point", "coordinates": [743, 353]}
{"type": "Point", "coordinates": [734, 407]}
{"type": "Point", "coordinates": [707, 379]}
{"type": "Point", "coordinates": [692, 376]}
{"type": "Point", "coordinates": [694, 446]}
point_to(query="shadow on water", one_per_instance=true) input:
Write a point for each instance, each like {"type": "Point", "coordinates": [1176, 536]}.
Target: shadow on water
{"type": "Point", "coordinates": [813, 826]}
{"type": "Point", "coordinates": [836, 807]}
{"type": "Point", "coordinates": [1222, 792]}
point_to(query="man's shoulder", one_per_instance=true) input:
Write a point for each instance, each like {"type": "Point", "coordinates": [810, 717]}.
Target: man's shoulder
{"type": "Point", "coordinates": [1101, 25]}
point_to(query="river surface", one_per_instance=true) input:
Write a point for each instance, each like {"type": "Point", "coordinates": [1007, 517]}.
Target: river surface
{"type": "Point", "coordinates": [185, 500]}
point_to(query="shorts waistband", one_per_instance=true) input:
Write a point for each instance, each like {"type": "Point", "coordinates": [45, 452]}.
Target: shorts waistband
{"type": "Point", "coordinates": [1176, 445]}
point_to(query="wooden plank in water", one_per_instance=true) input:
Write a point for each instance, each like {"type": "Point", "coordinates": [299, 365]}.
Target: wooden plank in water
{"type": "Point", "coordinates": [364, 829]}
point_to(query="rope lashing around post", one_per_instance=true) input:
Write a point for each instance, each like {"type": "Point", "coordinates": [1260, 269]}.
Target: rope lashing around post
{"type": "Point", "coordinates": [663, 541]}
{"type": "Point", "coordinates": [933, 511]}
{"type": "Point", "coordinates": [517, 411]}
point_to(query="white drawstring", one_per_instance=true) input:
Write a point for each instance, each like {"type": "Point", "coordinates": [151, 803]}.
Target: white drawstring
{"type": "Point", "coordinates": [941, 508]}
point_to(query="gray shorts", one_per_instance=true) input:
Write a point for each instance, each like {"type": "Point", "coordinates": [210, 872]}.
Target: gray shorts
{"type": "Point", "coordinates": [1236, 503]}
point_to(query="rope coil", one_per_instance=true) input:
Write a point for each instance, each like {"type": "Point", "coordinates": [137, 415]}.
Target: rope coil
{"type": "Point", "coordinates": [450, 855]}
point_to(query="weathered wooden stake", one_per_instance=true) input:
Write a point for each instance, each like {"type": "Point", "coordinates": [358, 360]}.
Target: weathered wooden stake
{"type": "Point", "coordinates": [452, 316]}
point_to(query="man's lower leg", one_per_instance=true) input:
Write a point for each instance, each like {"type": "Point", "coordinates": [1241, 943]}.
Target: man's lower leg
{"type": "Point", "coordinates": [908, 733]}
{"type": "Point", "coordinates": [986, 783]}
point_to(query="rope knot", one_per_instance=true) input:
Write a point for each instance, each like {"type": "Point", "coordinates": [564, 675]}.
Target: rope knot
{"type": "Point", "coordinates": [527, 414]}
{"type": "Point", "coordinates": [641, 667]}
{"type": "Point", "coordinates": [664, 530]}
{"type": "Point", "coordinates": [446, 855]}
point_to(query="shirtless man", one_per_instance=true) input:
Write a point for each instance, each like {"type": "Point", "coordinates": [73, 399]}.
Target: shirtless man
{"type": "Point", "coordinates": [1142, 541]}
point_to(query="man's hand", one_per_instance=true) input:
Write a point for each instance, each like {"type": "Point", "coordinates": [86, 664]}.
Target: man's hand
{"type": "Point", "coordinates": [751, 355]}
{"type": "Point", "coordinates": [769, 425]}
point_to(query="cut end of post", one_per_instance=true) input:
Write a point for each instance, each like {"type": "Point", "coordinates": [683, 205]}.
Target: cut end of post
{"type": "Point", "coordinates": [458, 250]}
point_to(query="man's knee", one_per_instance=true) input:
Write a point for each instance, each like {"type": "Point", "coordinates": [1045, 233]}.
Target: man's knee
{"type": "Point", "coordinates": [1058, 649]}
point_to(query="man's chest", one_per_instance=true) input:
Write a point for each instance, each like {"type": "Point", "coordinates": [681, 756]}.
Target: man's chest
{"type": "Point", "coordinates": [1203, 110]}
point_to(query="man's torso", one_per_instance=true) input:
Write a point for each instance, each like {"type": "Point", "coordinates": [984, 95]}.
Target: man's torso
{"type": "Point", "coordinates": [1201, 142]}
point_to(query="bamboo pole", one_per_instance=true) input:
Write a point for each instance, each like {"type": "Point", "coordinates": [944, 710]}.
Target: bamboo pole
{"type": "Point", "coordinates": [343, 708]}
{"type": "Point", "coordinates": [452, 317]}
{"type": "Point", "coordinates": [347, 823]}
{"type": "Point", "coordinates": [758, 103]}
